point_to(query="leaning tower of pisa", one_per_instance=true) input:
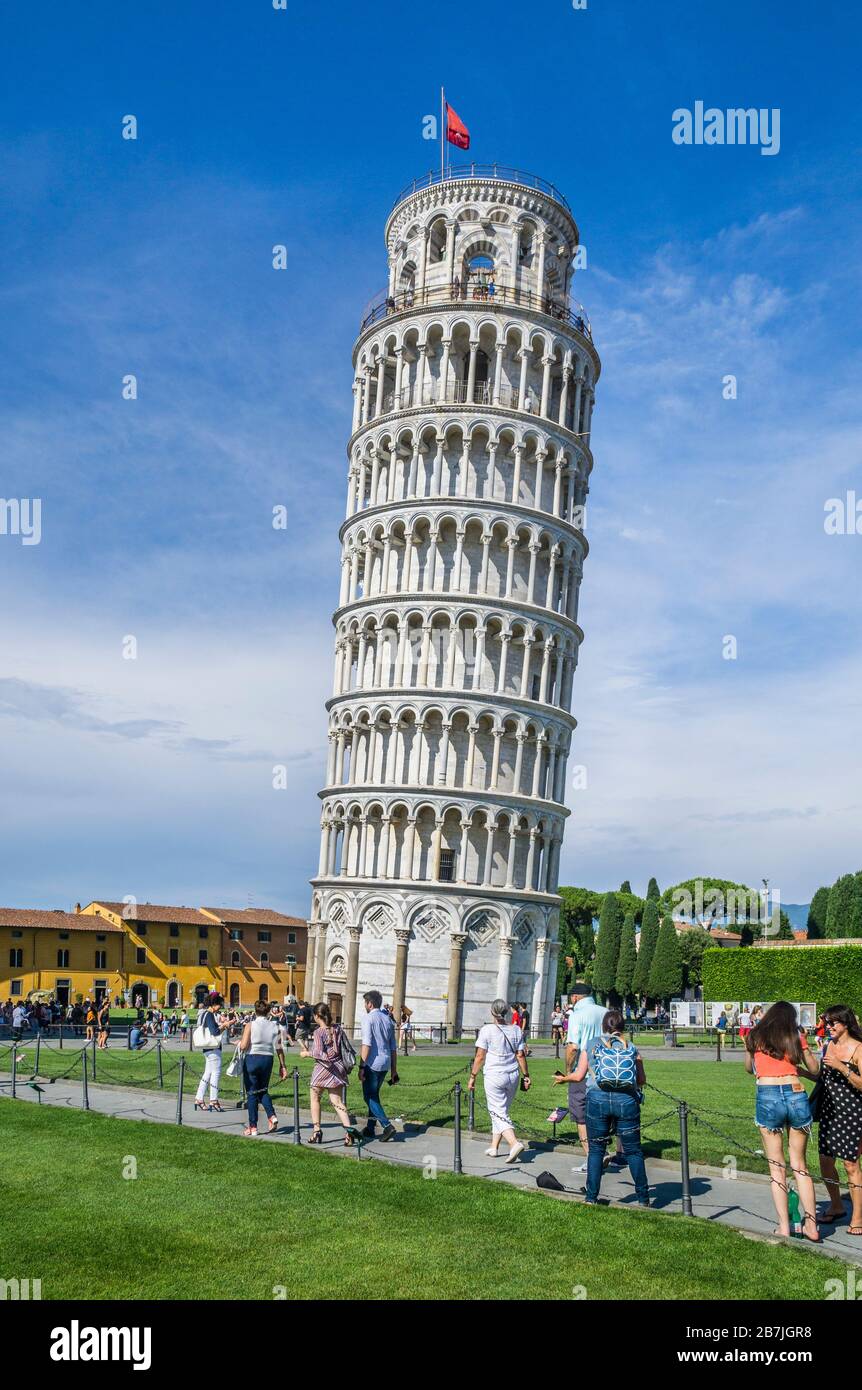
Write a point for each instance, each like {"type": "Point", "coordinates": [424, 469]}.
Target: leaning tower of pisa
{"type": "Point", "coordinates": [457, 625]}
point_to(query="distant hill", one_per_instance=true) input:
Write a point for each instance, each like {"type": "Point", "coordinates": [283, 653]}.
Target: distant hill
{"type": "Point", "coordinates": [798, 914]}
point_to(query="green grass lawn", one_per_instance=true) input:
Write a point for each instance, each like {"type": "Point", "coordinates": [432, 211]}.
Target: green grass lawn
{"type": "Point", "coordinates": [320, 1227]}
{"type": "Point", "coordinates": [721, 1094]}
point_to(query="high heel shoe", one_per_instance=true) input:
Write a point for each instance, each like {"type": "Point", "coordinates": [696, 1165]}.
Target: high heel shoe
{"type": "Point", "coordinates": [217, 1105]}
{"type": "Point", "coordinates": [316, 1137]}
{"type": "Point", "coordinates": [202, 1105]}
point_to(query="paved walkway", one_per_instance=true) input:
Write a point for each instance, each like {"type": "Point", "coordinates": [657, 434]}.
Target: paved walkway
{"type": "Point", "coordinates": [744, 1202]}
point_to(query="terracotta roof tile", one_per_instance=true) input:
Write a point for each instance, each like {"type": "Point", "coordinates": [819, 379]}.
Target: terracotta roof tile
{"type": "Point", "coordinates": [154, 912]}
{"type": "Point", "coordinates": [58, 921]}
{"type": "Point", "coordinates": [255, 916]}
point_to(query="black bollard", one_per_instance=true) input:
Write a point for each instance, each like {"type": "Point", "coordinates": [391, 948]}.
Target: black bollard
{"type": "Point", "coordinates": [718, 1044]}
{"type": "Point", "coordinates": [180, 1086]}
{"type": "Point", "coordinates": [159, 1056]}
{"type": "Point", "coordinates": [14, 1069]}
{"type": "Point", "coordinates": [297, 1137]}
{"type": "Point", "coordinates": [94, 1056]}
{"type": "Point", "coordinates": [471, 1110]}
{"type": "Point", "coordinates": [85, 1093]}
{"type": "Point", "coordinates": [458, 1167]}
{"type": "Point", "coordinates": [38, 1050]}
{"type": "Point", "coordinates": [683, 1150]}
{"type": "Point", "coordinates": [61, 1035]}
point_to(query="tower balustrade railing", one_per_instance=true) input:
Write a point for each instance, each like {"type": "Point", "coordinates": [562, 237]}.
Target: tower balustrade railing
{"type": "Point", "coordinates": [486, 293]}
{"type": "Point", "coordinates": [502, 173]}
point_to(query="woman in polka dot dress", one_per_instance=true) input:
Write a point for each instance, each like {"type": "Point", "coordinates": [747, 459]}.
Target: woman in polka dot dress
{"type": "Point", "coordinates": [840, 1131]}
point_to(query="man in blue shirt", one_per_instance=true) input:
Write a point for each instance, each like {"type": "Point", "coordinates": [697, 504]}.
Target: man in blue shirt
{"type": "Point", "coordinates": [379, 1052]}
{"type": "Point", "coordinates": [585, 1026]}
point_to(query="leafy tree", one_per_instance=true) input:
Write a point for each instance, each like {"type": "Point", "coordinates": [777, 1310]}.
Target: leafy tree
{"type": "Point", "coordinates": [604, 972]}
{"type": "Point", "coordinates": [817, 914]}
{"type": "Point", "coordinates": [785, 930]}
{"type": "Point", "coordinates": [692, 945]}
{"type": "Point", "coordinates": [649, 937]}
{"type": "Point", "coordinates": [844, 910]}
{"type": "Point", "coordinates": [628, 957]}
{"type": "Point", "coordinates": [721, 897]}
{"type": "Point", "coordinates": [665, 976]}
{"type": "Point", "coordinates": [625, 886]}
{"type": "Point", "coordinates": [652, 890]}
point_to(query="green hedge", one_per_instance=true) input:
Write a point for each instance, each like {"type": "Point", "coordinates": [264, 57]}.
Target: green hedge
{"type": "Point", "coordinates": [804, 974]}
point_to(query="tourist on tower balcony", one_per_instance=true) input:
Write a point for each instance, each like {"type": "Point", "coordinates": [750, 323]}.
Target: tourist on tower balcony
{"type": "Point", "coordinates": [500, 1051]}
{"type": "Point", "coordinates": [379, 1053]}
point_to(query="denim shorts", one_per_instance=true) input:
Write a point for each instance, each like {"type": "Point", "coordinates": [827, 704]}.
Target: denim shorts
{"type": "Point", "coordinates": [780, 1106]}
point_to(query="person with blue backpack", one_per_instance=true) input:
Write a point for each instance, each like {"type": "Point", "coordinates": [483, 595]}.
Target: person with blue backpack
{"type": "Point", "coordinates": [614, 1073]}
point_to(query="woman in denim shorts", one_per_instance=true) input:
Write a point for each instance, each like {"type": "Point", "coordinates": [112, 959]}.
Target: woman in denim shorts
{"type": "Point", "coordinates": [777, 1054]}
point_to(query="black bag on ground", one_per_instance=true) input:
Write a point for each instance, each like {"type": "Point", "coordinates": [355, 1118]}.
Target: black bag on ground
{"type": "Point", "coordinates": [549, 1182]}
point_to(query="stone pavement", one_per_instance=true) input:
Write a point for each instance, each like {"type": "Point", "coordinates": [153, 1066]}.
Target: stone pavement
{"type": "Point", "coordinates": [743, 1202]}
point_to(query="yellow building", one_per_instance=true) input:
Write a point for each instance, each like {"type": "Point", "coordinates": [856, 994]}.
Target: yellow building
{"type": "Point", "coordinates": [152, 954]}
{"type": "Point", "coordinates": [176, 955]}
{"type": "Point", "coordinates": [63, 952]}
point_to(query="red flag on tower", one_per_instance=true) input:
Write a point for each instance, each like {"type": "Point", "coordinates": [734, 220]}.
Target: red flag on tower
{"type": "Point", "coordinates": [456, 131]}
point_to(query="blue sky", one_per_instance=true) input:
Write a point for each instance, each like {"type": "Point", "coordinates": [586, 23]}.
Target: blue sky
{"type": "Point", "coordinates": [154, 777]}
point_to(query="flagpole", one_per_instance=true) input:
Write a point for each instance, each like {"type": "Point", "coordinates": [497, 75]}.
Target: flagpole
{"type": "Point", "coordinates": [442, 134]}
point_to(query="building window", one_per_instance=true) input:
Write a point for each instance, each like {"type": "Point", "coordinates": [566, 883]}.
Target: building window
{"type": "Point", "coordinates": [173, 956]}
{"type": "Point", "coordinates": [16, 957]}
{"type": "Point", "coordinates": [101, 960]}
{"type": "Point", "coordinates": [236, 934]}
{"type": "Point", "coordinates": [100, 936]}
{"type": "Point", "coordinates": [141, 955]}
{"type": "Point", "coordinates": [264, 936]}
{"type": "Point", "coordinates": [202, 957]}
{"type": "Point", "coordinates": [290, 960]}
{"type": "Point", "coordinates": [16, 935]}
{"type": "Point", "coordinates": [291, 938]}
{"type": "Point", "coordinates": [64, 936]}
{"type": "Point", "coordinates": [174, 929]}
{"type": "Point", "coordinates": [16, 987]}
{"type": "Point", "coordinates": [141, 928]}
{"type": "Point", "coordinates": [447, 866]}
{"type": "Point", "coordinates": [264, 958]}
{"type": "Point", "coordinates": [234, 957]}
{"type": "Point", "coordinates": [63, 959]}
{"type": "Point", "coordinates": [203, 933]}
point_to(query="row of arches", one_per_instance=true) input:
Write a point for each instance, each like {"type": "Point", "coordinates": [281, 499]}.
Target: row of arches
{"type": "Point", "coordinates": [470, 555]}
{"type": "Point", "coordinates": [508, 754]}
{"type": "Point", "coordinates": [444, 651]}
{"type": "Point", "coordinates": [513, 366]}
{"type": "Point", "coordinates": [461, 845]}
{"type": "Point", "coordinates": [472, 460]}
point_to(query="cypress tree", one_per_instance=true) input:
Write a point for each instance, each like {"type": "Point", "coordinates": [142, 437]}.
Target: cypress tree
{"type": "Point", "coordinates": [785, 930]}
{"type": "Point", "coordinates": [652, 890]}
{"type": "Point", "coordinates": [649, 937]}
{"type": "Point", "coordinates": [625, 886]}
{"type": "Point", "coordinates": [628, 957]}
{"type": "Point", "coordinates": [817, 914]}
{"type": "Point", "coordinates": [841, 906]}
{"type": "Point", "coordinates": [604, 974]}
{"type": "Point", "coordinates": [665, 976]}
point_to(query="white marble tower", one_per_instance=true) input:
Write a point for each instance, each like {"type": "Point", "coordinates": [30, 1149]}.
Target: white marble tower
{"type": "Point", "coordinates": [456, 630]}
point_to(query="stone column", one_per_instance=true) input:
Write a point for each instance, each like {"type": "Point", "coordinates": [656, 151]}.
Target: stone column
{"type": "Point", "coordinates": [349, 1018]}
{"type": "Point", "coordinates": [320, 960]}
{"type": "Point", "coordinates": [402, 937]}
{"type": "Point", "coordinates": [539, 986]}
{"type": "Point", "coordinates": [310, 959]}
{"type": "Point", "coordinates": [453, 988]}
{"type": "Point", "coordinates": [503, 967]}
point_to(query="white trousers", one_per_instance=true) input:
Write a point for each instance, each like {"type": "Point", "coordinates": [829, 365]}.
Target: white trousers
{"type": "Point", "coordinates": [212, 1073]}
{"type": "Point", "coordinates": [500, 1088]}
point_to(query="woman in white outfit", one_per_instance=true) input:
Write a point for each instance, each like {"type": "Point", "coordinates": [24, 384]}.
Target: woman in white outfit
{"type": "Point", "coordinates": [500, 1050]}
{"type": "Point", "coordinates": [215, 1030]}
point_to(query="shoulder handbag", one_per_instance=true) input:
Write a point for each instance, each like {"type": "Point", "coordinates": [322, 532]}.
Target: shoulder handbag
{"type": "Point", "coordinates": [203, 1038]}
{"type": "Point", "coordinates": [514, 1054]}
{"type": "Point", "coordinates": [816, 1096]}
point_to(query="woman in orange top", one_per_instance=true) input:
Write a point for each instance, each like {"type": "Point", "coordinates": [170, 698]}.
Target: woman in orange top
{"type": "Point", "coordinates": [777, 1054]}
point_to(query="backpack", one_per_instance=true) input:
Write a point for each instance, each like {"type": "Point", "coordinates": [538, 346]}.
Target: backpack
{"type": "Point", "coordinates": [615, 1066]}
{"type": "Point", "coordinates": [346, 1051]}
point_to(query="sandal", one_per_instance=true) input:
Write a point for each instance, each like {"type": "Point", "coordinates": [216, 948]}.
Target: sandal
{"type": "Point", "coordinates": [316, 1137]}
{"type": "Point", "coordinates": [217, 1105]}
{"type": "Point", "coordinates": [854, 1230]}
{"type": "Point", "coordinates": [202, 1105]}
{"type": "Point", "coordinates": [348, 1140]}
